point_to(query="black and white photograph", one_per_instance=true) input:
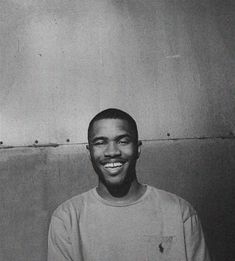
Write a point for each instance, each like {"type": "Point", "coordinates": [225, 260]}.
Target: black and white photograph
{"type": "Point", "coordinates": [117, 130]}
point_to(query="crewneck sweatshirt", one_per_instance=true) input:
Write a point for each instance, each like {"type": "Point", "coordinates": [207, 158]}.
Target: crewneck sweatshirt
{"type": "Point", "coordinates": [159, 226]}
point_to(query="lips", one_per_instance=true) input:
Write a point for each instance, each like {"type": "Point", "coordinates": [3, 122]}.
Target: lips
{"type": "Point", "coordinates": [113, 168]}
{"type": "Point", "coordinates": [113, 165]}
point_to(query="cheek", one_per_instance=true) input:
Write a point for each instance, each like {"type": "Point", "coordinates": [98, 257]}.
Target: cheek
{"type": "Point", "coordinates": [96, 153]}
{"type": "Point", "coordinates": [131, 150]}
{"type": "Point", "coordinates": [130, 154]}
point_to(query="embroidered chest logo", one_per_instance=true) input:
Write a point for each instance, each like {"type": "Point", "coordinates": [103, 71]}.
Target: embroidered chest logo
{"type": "Point", "coordinates": [165, 245]}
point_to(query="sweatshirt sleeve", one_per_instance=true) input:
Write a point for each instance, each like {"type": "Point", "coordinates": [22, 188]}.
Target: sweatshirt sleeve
{"type": "Point", "coordinates": [59, 244]}
{"type": "Point", "coordinates": [195, 245]}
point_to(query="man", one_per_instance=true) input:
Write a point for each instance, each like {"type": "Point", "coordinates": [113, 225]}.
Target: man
{"type": "Point", "coordinates": [121, 219]}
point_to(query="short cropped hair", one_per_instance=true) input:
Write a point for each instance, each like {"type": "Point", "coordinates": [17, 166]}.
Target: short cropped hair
{"type": "Point", "coordinates": [113, 113]}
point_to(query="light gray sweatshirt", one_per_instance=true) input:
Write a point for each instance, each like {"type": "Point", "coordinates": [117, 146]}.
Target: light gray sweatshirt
{"type": "Point", "coordinates": [159, 226]}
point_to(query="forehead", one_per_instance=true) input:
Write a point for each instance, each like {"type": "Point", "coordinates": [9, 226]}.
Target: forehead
{"type": "Point", "coordinates": [111, 128]}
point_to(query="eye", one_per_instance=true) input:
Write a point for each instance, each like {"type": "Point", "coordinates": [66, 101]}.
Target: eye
{"type": "Point", "coordinates": [98, 143]}
{"type": "Point", "coordinates": [124, 141]}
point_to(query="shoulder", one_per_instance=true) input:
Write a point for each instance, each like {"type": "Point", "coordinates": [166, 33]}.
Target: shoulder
{"type": "Point", "coordinates": [72, 206]}
{"type": "Point", "coordinates": [170, 201]}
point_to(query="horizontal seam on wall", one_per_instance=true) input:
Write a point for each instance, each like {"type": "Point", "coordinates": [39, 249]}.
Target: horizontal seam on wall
{"type": "Point", "coordinates": [54, 145]}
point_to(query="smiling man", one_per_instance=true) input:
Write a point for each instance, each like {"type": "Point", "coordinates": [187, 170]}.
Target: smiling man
{"type": "Point", "coordinates": [121, 219]}
{"type": "Point", "coordinates": [114, 149]}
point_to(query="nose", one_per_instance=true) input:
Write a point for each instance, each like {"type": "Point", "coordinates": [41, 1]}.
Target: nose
{"type": "Point", "coordinates": [112, 150]}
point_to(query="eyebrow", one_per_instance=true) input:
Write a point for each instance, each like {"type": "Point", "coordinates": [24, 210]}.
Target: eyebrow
{"type": "Point", "coordinates": [116, 138]}
{"type": "Point", "coordinates": [123, 136]}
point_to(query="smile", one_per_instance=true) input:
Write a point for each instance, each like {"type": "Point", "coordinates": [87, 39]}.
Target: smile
{"type": "Point", "coordinates": [113, 165]}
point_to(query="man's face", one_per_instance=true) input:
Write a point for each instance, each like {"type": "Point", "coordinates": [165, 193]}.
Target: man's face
{"type": "Point", "coordinates": [113, 151]}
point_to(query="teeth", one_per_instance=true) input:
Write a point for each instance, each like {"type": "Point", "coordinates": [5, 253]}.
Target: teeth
{"type": "Point", "coordinates": [113, 165]}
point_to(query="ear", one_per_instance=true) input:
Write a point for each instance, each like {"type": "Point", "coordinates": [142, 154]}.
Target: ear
{"type": "Point", "coordinates": [88, 149]}
{"type": "Point", "coordinates": [139, 148]}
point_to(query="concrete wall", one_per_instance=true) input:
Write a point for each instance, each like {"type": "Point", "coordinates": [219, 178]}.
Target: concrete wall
{"type": "Point", "coordinates": [169, 63]}
{"type": "Point", "coordinates": [62, 61]}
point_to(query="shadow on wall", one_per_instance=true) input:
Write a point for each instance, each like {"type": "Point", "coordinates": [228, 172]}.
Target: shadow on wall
{"type": "Point", "coordinates": [202, 172]}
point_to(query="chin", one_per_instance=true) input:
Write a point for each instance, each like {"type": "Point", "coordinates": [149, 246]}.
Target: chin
{"type": "Point", "coordinates": [118, 183]}
{"type": "Point", "coordinates": [115, 184]}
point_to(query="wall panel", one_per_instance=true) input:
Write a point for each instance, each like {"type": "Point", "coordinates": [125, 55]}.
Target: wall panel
{"type": "Point", "coordinates": [62, 61]}
{"type": "Point", "coordinates": [34, 181]}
